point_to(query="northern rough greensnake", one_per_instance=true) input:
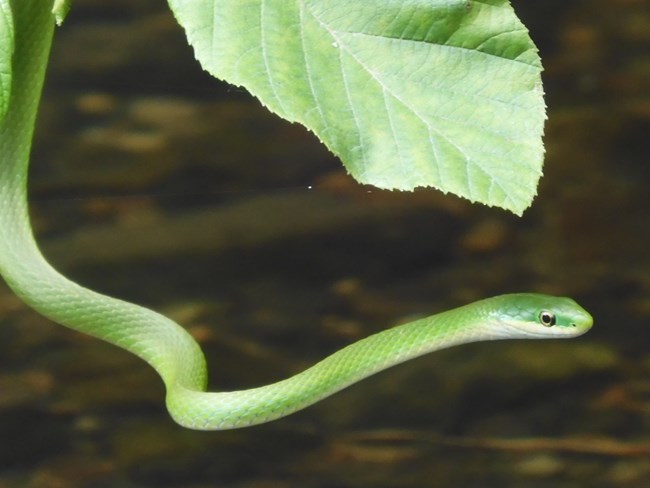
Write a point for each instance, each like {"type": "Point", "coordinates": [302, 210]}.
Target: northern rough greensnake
{"type": "Point", "coordinates": [166, 346]}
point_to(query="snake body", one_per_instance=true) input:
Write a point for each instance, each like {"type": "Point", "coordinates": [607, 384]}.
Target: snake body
{"type": "Point", "coordinates": [165, 345]}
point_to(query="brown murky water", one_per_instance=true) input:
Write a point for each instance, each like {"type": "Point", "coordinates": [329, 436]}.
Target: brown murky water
{"type": "Point", "coordinates": [156, 184]}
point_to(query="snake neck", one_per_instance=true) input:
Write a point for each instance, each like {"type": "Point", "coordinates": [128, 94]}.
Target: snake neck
{"type": "Point", "coordinates": [341, 369]}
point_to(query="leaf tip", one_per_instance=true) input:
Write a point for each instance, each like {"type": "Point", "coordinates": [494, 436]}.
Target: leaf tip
{"type": "Point", "coordinates": [60, 10]}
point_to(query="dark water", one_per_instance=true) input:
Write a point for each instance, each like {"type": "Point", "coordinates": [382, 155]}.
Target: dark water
{"type": "Point", "coordinates": [156, 184]}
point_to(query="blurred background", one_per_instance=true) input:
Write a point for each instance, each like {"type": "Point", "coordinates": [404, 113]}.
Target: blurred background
{"type": "Point", "coordinates": [155, 183]}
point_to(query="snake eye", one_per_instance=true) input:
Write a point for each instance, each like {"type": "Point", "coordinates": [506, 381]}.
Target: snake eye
{"type": "Point", "coordinates": [547, 318]}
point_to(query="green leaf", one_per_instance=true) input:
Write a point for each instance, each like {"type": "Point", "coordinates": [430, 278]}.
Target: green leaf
{"type": "Point", "coordinates": [60, 10]}
{"type": "Point", "coordinates": [443, 93]}
{"type": "Point", "coordinates": [6, 54]}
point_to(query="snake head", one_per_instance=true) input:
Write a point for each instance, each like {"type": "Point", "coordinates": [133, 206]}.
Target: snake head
{"type": "Point", "coordinates": [533, 315]}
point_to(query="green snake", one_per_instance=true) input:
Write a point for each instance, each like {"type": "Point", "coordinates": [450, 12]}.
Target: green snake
{"type": "Point", "coordinates": [169, 348]}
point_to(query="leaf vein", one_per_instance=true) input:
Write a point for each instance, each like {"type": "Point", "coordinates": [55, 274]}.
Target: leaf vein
{"type": "Point", "coordinates": [265, 56]}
